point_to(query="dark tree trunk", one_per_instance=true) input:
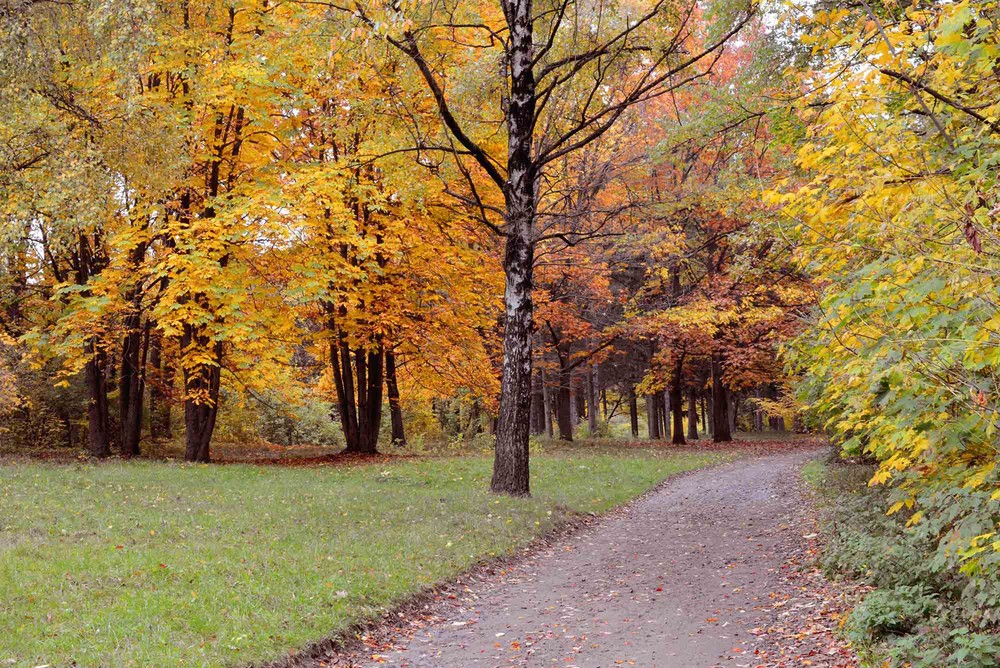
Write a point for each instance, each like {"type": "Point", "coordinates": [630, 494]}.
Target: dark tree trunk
{"type": "Point", "coordinates": [131, 386]}
{"type": "Point", "coordinates": [720, 406]}
{"type": "Point", "coordinates": [131, 380]}
{"type": "Point", "coordinates": [591, 402]}
{"type": "Point", "coordinates": [547, 405]}
{"type": "Point", "coordinates": [776, 422]}
{"type": "Point", "coordinates": [564, 405]}
{"type": "Point", "coordinates": [475, 423]}
{"type": "Point", "coordinates": [663, 411]}
{"type": "Point", "coordinates": [677, 400]}
{"type": "Point", "coordinates": [579, 402]}
{"type": "Point", "coordinates": [89, 260]}
{"type": "Point", "coordinates": [357, 377]}
{"type": "Point", "coordinates": [633, 412]}
{"type": "Point", "coordinates": [537, 405]}
{"type": "Point", "coordinates": [98, 444]}
{"type": "Point", "coordinates": [392, 390]}
{"type": "Point", "coordinates": [652, 417]}
{"type": "Point", "coordinates": [201, 397]}
{"type": "Point", "coordinates": [692, 415]}
{"type": "Point", "coordinates": [710, 415]}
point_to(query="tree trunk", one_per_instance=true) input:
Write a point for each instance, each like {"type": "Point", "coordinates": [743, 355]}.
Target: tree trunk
{"type": "Point", "coordinates": [131, 380]}
{"type": "Point", "coordinates": [692, 414]}
{"type": "Point", "coordinates": [580, 401]}
{"type": "Point", "coordinates": [357, 377]}
{"type": "Point", "coordinates": [131, 384]}
{"type": "Point", "coordinates": [776, 422]}
{"type": "Point", "coordinates": [537, 405]}
{"type": "Point", "coordinates": [547, 405]}
{"type": "Point", "coordinates": [720, 408]}
{"type": "Point", "coordinates": [97, 410]}
{"type": "Point", "coordinates": [677, 401]}
{"type": "Point", "coordinates": [652, 417]}
{"type": "Point", "coordinates": [633, 412]}
{"type": "Point", "coordinates": [564, 405]}
{"type": "Point", "coordinates": [395, 410]}
{"type": "Point", "coordinates": [201, 397]}
{"type": "Point", "coordinates": [663, 409]}
{"type": "Point", "coordinates": [591, 402]}
{"type": "Point", "coordinates": [510, 462]}
{"type": "Point", "coordinates": [475, 424]}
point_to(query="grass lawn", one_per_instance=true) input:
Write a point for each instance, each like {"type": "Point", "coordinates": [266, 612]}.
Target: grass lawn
{"type": "Point", "coordinates": [163, 564]}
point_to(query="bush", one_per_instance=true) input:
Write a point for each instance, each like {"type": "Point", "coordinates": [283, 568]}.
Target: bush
{"type": "Point", "coordinates": [36, 414]}
{"type": "Point", "coordinates": [309, 423]}
{"type": "Point", "coordinates": [603, 430]}
{"type": "Point", "coordinates": [888, 612]}
{"type": "Point", "coordinates": [932, 606]}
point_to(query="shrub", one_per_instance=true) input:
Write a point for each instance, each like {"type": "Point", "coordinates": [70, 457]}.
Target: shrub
{"type": "Point", "coordinates": [933, 606]}
{"type": "Point", "coordinates": [888, 612]}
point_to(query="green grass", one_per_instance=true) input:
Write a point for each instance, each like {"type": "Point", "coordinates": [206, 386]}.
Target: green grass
{"type": "Point", "coordinates": [162, 564]}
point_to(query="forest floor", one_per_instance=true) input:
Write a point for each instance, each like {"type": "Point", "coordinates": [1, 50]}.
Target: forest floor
{"type": "Point", "coordinates": [714, 568]}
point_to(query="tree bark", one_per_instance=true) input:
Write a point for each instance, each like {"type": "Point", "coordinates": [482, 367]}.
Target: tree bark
{"type": "Point", "coordinates": [677, 400]}
{"type": "Point", "coordinates": [131, 380]}
{"type": "Point", "coordinates": [395, 410]}
{"type": "Point", "coordinates": [537, 405]}
{"type": "Point", "coordinates": [475, 424]}
{"type": "Point", "coordinates": [357, 377]}
{"type": "Point", "coordinates": [547, 405]}
{"type": "Point", "coordinates": [652, 417]}
{"type": "Point", "coordinates": [692, 419]}
{"type": "Point", "coordinates": [579, 401]}
{"type": "Point", "coordinates": [98, 444]}
{"type": "Point", "coordinates": [663, 411]}
{"type": "Point", "coordinates": [720, 406]}
{"type": "Point", "coordinates": [591, 401]}
{"type": "Point", "coordinates": [633, 412]}
{"type": "Point", "coordinates": [131, 385]}
{"type": "Point", "coordinates": [564, 405]}
{"type": "Point", "coordinates": [201, 397]}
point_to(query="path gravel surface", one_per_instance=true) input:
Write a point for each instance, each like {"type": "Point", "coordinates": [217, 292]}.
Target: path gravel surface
{"type": "Point", "coordinates": [685, 578]}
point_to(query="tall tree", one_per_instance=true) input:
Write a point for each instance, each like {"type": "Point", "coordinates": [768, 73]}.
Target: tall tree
{"type": "Point", "coordinates": [553, 101]}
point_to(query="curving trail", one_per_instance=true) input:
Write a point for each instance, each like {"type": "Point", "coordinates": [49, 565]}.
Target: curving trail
{"type": "Point", "coordinates": [689, 577]}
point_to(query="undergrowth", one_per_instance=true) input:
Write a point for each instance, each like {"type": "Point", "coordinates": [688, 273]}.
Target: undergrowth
{"type": "Point", "coordinates": [926, 609]}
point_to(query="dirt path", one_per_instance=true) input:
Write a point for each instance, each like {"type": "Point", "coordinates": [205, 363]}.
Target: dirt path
{"type": "Point", "coordinates": [690, 577]}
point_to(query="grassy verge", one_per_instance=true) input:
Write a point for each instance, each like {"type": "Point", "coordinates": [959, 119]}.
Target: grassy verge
{"type": "Point", "coordinates": [157, 564]}
{"type": "Point", "coordinates": [922, 612]}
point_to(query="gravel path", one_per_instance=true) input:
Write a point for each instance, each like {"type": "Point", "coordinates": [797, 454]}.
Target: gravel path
{"type": "Point", "coordinates": [685, 578]}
